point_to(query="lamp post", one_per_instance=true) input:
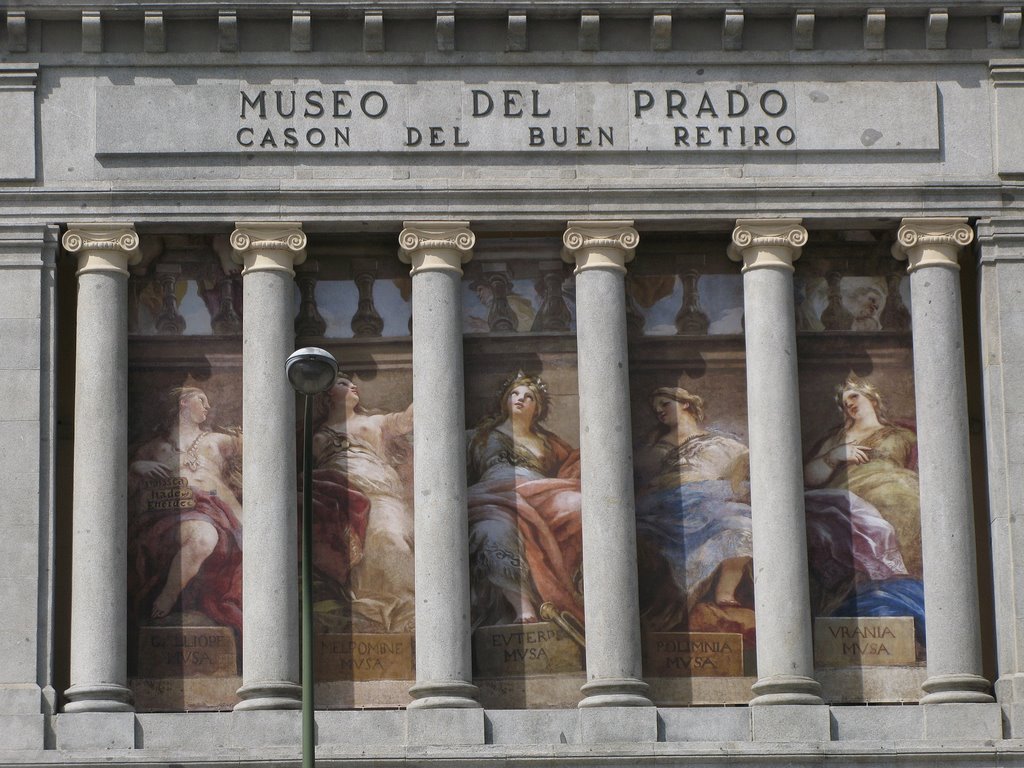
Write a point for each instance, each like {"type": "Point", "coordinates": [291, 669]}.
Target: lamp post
{"type": "Point", "coordinates": [310, 370]}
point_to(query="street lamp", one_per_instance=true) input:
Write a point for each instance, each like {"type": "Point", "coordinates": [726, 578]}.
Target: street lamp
{"type": "Point", "coordinates": [310, 370]}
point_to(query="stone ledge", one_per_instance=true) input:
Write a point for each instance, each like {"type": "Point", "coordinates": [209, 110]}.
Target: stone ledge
{"type": "Point", "coordinates": [863, 754]}
{"type": "Point", "coordinates": [677, 730]}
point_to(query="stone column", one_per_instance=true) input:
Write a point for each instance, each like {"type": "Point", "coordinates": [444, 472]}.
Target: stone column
{"type": "Point", "coordinates": [947, 512]}
{"type": "Point", "coordinates": [270, 600]}
{"type": "Point", "coordinates": [99, 562]}
{"type": "Point", "coordinates": [436, 250]}
{"type": "Point", "coordinates": [600, 250]}
{"type": "Point", "coordinates": [785, 659]}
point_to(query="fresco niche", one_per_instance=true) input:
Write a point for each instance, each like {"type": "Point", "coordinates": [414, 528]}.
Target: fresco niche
{"type": "Point", "coordinates": [523, 474]}
{"type": "Point", "coordinates": [688, 385]}
{"type": "Point", "coordinates": [185, 489]}
{"type": "Point", "coordinates": [187, 493]}
{"type": "Point", "coordinates": [353, 299]}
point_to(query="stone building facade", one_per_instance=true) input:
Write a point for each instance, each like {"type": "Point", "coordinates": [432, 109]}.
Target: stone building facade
{"type": "Point", "coordinates": [555, 199]}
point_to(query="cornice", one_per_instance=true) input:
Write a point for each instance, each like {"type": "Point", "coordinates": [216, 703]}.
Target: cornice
{"type": "Point", "coordinates": [336, 206]}
{"type": "Point", "coordinates": [65, 9]}
{"type": "Point", "coordinates": [938, 24]}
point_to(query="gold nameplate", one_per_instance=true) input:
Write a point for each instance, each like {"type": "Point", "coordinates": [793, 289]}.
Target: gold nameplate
{"type": "Point", "coordinates": [187, 652]}
{"type": "Point", "coordinates": [864, 642]}
{"type": "Point", "coordinates": [361, 656]}
{"type": "Point", "coordinates": [514, 650]}
{"type": "Point", "coordinates": [693, 654]}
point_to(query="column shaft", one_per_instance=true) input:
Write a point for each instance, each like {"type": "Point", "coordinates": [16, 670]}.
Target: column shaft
{"type": "Point", "coordinates": [947, 517]}
{"type": "Point", "coordinates": [785, 658]}
{"type": "Point", "coordinates": [611, 602]}
{"type": "Point", "coordinates": [270, 619]}
{"type": "Point", "coordinates": [99, 568]}
{"type": "Point", "coordinates": [444, 670]}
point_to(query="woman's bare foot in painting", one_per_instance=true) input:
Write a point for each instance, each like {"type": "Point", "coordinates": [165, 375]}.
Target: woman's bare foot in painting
{"type": "Point", "coordinates": [525, 611]}
{"type": "Point", "coordinates": [162, 605]}
{"type": "Point", "coordinates": [730, 575]}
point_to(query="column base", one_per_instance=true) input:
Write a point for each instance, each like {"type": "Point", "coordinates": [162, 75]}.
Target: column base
{"type": "Point", "coordinates": [615, 692]}
{"type": "Point", "coordinates": [443, 694]}
{"type": "Point", "coordinates": [98, 697]}
{"type": "Point", "coordinates": [956, 689]}
{"type": "Point", "coordinates": [282, 694]}
{"type": "Point", "coordinates": [786, 689]}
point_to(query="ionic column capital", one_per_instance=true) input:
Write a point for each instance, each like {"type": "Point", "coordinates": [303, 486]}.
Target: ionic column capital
{"type": "Point", "coordinates": [931, 242]}
{"type": "Point", "coordinates": [103, 247]}
{"type": "Point", "coordinates": [436, 246]}
{"type": "Point", "coordinates": [767, 243]}
{"type": "Point", "coordinates": [600, 244]}
{"type": "Point", "coordinates": [268, 246]}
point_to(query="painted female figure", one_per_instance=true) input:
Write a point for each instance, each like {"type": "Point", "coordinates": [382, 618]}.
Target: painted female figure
{"type": "Point", "coordinates": [525, 534]}
{"type": "Point", "coordinates": [355, 450]}
{"type": "Point", "coordinates": [185, 536]}
{"type": "Point", "coordinates": [875, 459]}
{"type": "Point", "coordinates": [693, 514]}
{"type": "Point", "coordinates": [866, 463]}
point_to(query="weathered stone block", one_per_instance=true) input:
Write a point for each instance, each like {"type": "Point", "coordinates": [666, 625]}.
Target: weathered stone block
{"type": "Point", "coordinates": [20, 699]}
{"type": "Point", "coordinates": [206, 731]}
{"type": "Point", "coordinates": [21, 731]}
{"type": "Point", "coordinates": [95, 730]}
{"type": "Point", "coordinates": [954, 722]}
{"type": "Point", "coordinates": [878, 723]}
{"type": "Point", "coordinates": [790, 722]}
{"type": "Point", "coordinates": [705, 724]}
{"type": "Point", "coordinates": [366, 727]}
{"type": "Point", "coordinates": [603, 725]}
{"type": "Point", "coordinates": [533, 726]}
{"type": "Point", "coordinates": [440, 727]}
{"type": "Point", "coordinates": [265, 728]}
{"type": "Point", "coordinates": [18, 122]}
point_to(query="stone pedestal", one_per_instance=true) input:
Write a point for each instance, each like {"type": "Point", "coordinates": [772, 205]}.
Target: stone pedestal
{"type": "Point", "coordinates": [268, 252]}
{"type": "Point", "coordinates": [99, 568]}
{"type": "Point", "coordinates": [436, 251]}
{"type": "Point", "coordinates": [947, 513]}
{"type": "Point", "coordinates": [600, 250]}
{"type": "Point", "coordinates": [785, 662]}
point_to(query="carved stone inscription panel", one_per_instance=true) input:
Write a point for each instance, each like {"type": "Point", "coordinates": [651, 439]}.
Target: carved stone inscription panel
{"type": "Point", "coordinates": [543, 111]}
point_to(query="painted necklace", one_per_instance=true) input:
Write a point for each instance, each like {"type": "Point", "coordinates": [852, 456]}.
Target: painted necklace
{"type": "Point", "coordinates": [192, 459]}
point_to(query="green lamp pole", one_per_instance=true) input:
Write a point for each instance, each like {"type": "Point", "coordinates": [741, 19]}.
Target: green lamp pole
{"type": "Point", "coordinates": [310, 370]}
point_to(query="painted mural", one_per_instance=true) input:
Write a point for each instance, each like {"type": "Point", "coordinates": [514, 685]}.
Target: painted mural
{"type": "Point", "coordinates": [523, 475]}
{"type": "Point", "coordinates": [186, 490]}
{"type": "Point", "coordinates": [363, 526]}
{"type": "Point", "coordinates": [354, 301]}
{"type": "Point", "coordinates": [185, 494]}
{"type": "Point", "coordinates": [692, 465]}
{"type": "Point", "coordinates": [688, 403]}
